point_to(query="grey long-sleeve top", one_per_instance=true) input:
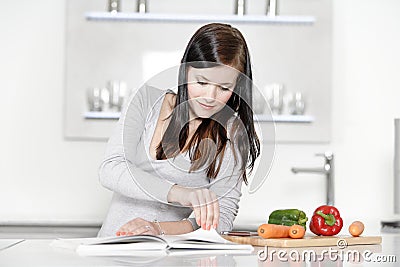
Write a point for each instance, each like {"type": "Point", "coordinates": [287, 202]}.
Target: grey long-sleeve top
{"type": "Point", "coordinates": [141, 184]}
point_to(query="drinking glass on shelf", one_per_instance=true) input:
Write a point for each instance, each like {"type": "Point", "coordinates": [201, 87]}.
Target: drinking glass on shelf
{"type": "Point", "coordinates": [117, 91]}
{"type": "Point", "coordinates": [105, 97]}
{"type": "Point", "coordinates": [274, 94]}
{"type": "Point", "coordinates": [94, 99]}
{"type": "Point", "coordinates": [114, 6]}
{"type": "Point", "coordinates": [297, 104]}
{"type": "Point", "coordinates": [142, 6]}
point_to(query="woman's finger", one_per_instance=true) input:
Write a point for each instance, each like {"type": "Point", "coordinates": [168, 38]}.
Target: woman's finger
{"type": "Point", "coordinates": [216, 211]}
{"type": "Point", "coordinates": [203, 208]}
{"type": "Point", "coordinates": [124, 231]}
{"type": "Point", "coordinates": [210, 209]}
{"type": "Point", "coordinates": [196, 208]}
{"type": "Point", "coordinates": [120, 233]}
{"type": "Point", "coordinates": [125, 228]}
{"type": "Point", "coordinates": [140, 230]}
{"type": "Point", "coordinates": [136, 226]}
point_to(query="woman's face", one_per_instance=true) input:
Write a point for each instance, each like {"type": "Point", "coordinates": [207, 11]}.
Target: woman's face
{"type": "Point", "coordinates": [209, 89]}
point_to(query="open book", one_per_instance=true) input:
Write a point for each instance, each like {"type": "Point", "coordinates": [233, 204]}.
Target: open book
{"type": "Point", "coordinates": [199, 240]}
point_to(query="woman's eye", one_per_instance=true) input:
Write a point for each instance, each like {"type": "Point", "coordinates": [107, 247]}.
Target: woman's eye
{"type": "Point", "coordinates": [225, 88]}
{"type": "Point", "coordinates": [202, 83]}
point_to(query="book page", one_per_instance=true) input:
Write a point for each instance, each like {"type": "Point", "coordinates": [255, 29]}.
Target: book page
{"type": "Point", "coordinates": [148, 248]}
{"type": "Point", "coordinates": [123, 239]}
{"type": "Point", "coordinates": [73, 243]}
{"type": "Point", "coordinates": [200, 234]}
{"type": "Point", "coordinates": [131, 245]}
{"type": "Point", "coordinates": [204, 240]}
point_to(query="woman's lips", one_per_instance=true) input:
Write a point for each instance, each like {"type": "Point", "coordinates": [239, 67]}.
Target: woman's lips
{"type": "Point", "coordinates": [205, 106]}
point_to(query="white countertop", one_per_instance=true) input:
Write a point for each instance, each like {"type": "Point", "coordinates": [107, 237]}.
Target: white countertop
{"type": "Point", "coordinates": [38, 252]}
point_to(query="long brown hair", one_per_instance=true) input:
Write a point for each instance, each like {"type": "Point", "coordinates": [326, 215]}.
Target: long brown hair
{"type": "Point", "coordinates": [211, 45]}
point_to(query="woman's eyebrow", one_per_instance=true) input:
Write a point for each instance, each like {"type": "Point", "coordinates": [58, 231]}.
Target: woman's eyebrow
{"type": "Point", "coordinates": [204, 78]}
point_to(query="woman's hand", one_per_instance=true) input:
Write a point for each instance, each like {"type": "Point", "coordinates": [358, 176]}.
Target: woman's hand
{"type": "Point", "coordinates": [138, 226]}
{"type": "Point", "coordinates": [204, 203]}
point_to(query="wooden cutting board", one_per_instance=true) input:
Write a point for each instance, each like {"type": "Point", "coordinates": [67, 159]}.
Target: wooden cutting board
{"type": "Point", "coordinates": [307, 241]}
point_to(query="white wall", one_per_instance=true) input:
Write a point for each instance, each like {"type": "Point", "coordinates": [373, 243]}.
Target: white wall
{"type": "Point", "coordinates": [40, 171]}
{"type": "Point", "coordinates": [366, 99]}
{"type": "Point", "coordinates": [41, 175]}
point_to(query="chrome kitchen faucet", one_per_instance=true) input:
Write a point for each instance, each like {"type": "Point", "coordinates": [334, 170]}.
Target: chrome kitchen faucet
{"type": "Point", "coordinates": [329, 171]}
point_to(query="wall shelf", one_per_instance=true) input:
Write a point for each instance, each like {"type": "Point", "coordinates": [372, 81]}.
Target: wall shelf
{"type": "Point", "coordinates": [284, 118]}
{"type": "Point", "coordinates": [186, 18]}
{"type": "Point", "coordinates": [257, 117]}
{"type": "Point", "coordinates": [101, 115]}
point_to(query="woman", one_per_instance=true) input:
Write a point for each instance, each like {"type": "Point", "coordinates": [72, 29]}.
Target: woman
{"type": "Point", "coordinates": [207, 125]}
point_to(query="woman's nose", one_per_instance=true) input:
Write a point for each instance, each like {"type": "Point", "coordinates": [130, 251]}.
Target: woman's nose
{"type": "Point", "coordinates": [211, 92]}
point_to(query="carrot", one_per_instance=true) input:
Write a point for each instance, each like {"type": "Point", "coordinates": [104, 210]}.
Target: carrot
{"type": "Point", "coordinates": [273, 230]}
{"type": "Point", "coordinates": [297, 231]}
{"type": "Point", "coordinates": [356, 228]}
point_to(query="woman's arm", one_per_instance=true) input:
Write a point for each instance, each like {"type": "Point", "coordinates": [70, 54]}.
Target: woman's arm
{"type": "Point", "coordinates": [176, 228]}
{"type": "Point", "coordinates": [227, 191]}
{"type": "Point", "coordinates": [204, 203]}
{"type": "Point", "coordinates": [118, 171]}
{"type": "Point", "coordinates": [140, 226]}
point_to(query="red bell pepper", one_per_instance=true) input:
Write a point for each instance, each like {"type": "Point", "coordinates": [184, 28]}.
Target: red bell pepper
{"type": "Point", "coordinates": [326, 221]}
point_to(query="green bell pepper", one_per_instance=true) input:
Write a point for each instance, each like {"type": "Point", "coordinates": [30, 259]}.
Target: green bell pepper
{"type": "Point", "coordinates": [288, 217]}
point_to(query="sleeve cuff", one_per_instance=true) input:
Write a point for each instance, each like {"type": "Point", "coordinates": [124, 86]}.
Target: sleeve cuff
{"type": "Point", "coordinates": [164, 190]}
{"type": "Point", "coordinates": [194, 223]}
